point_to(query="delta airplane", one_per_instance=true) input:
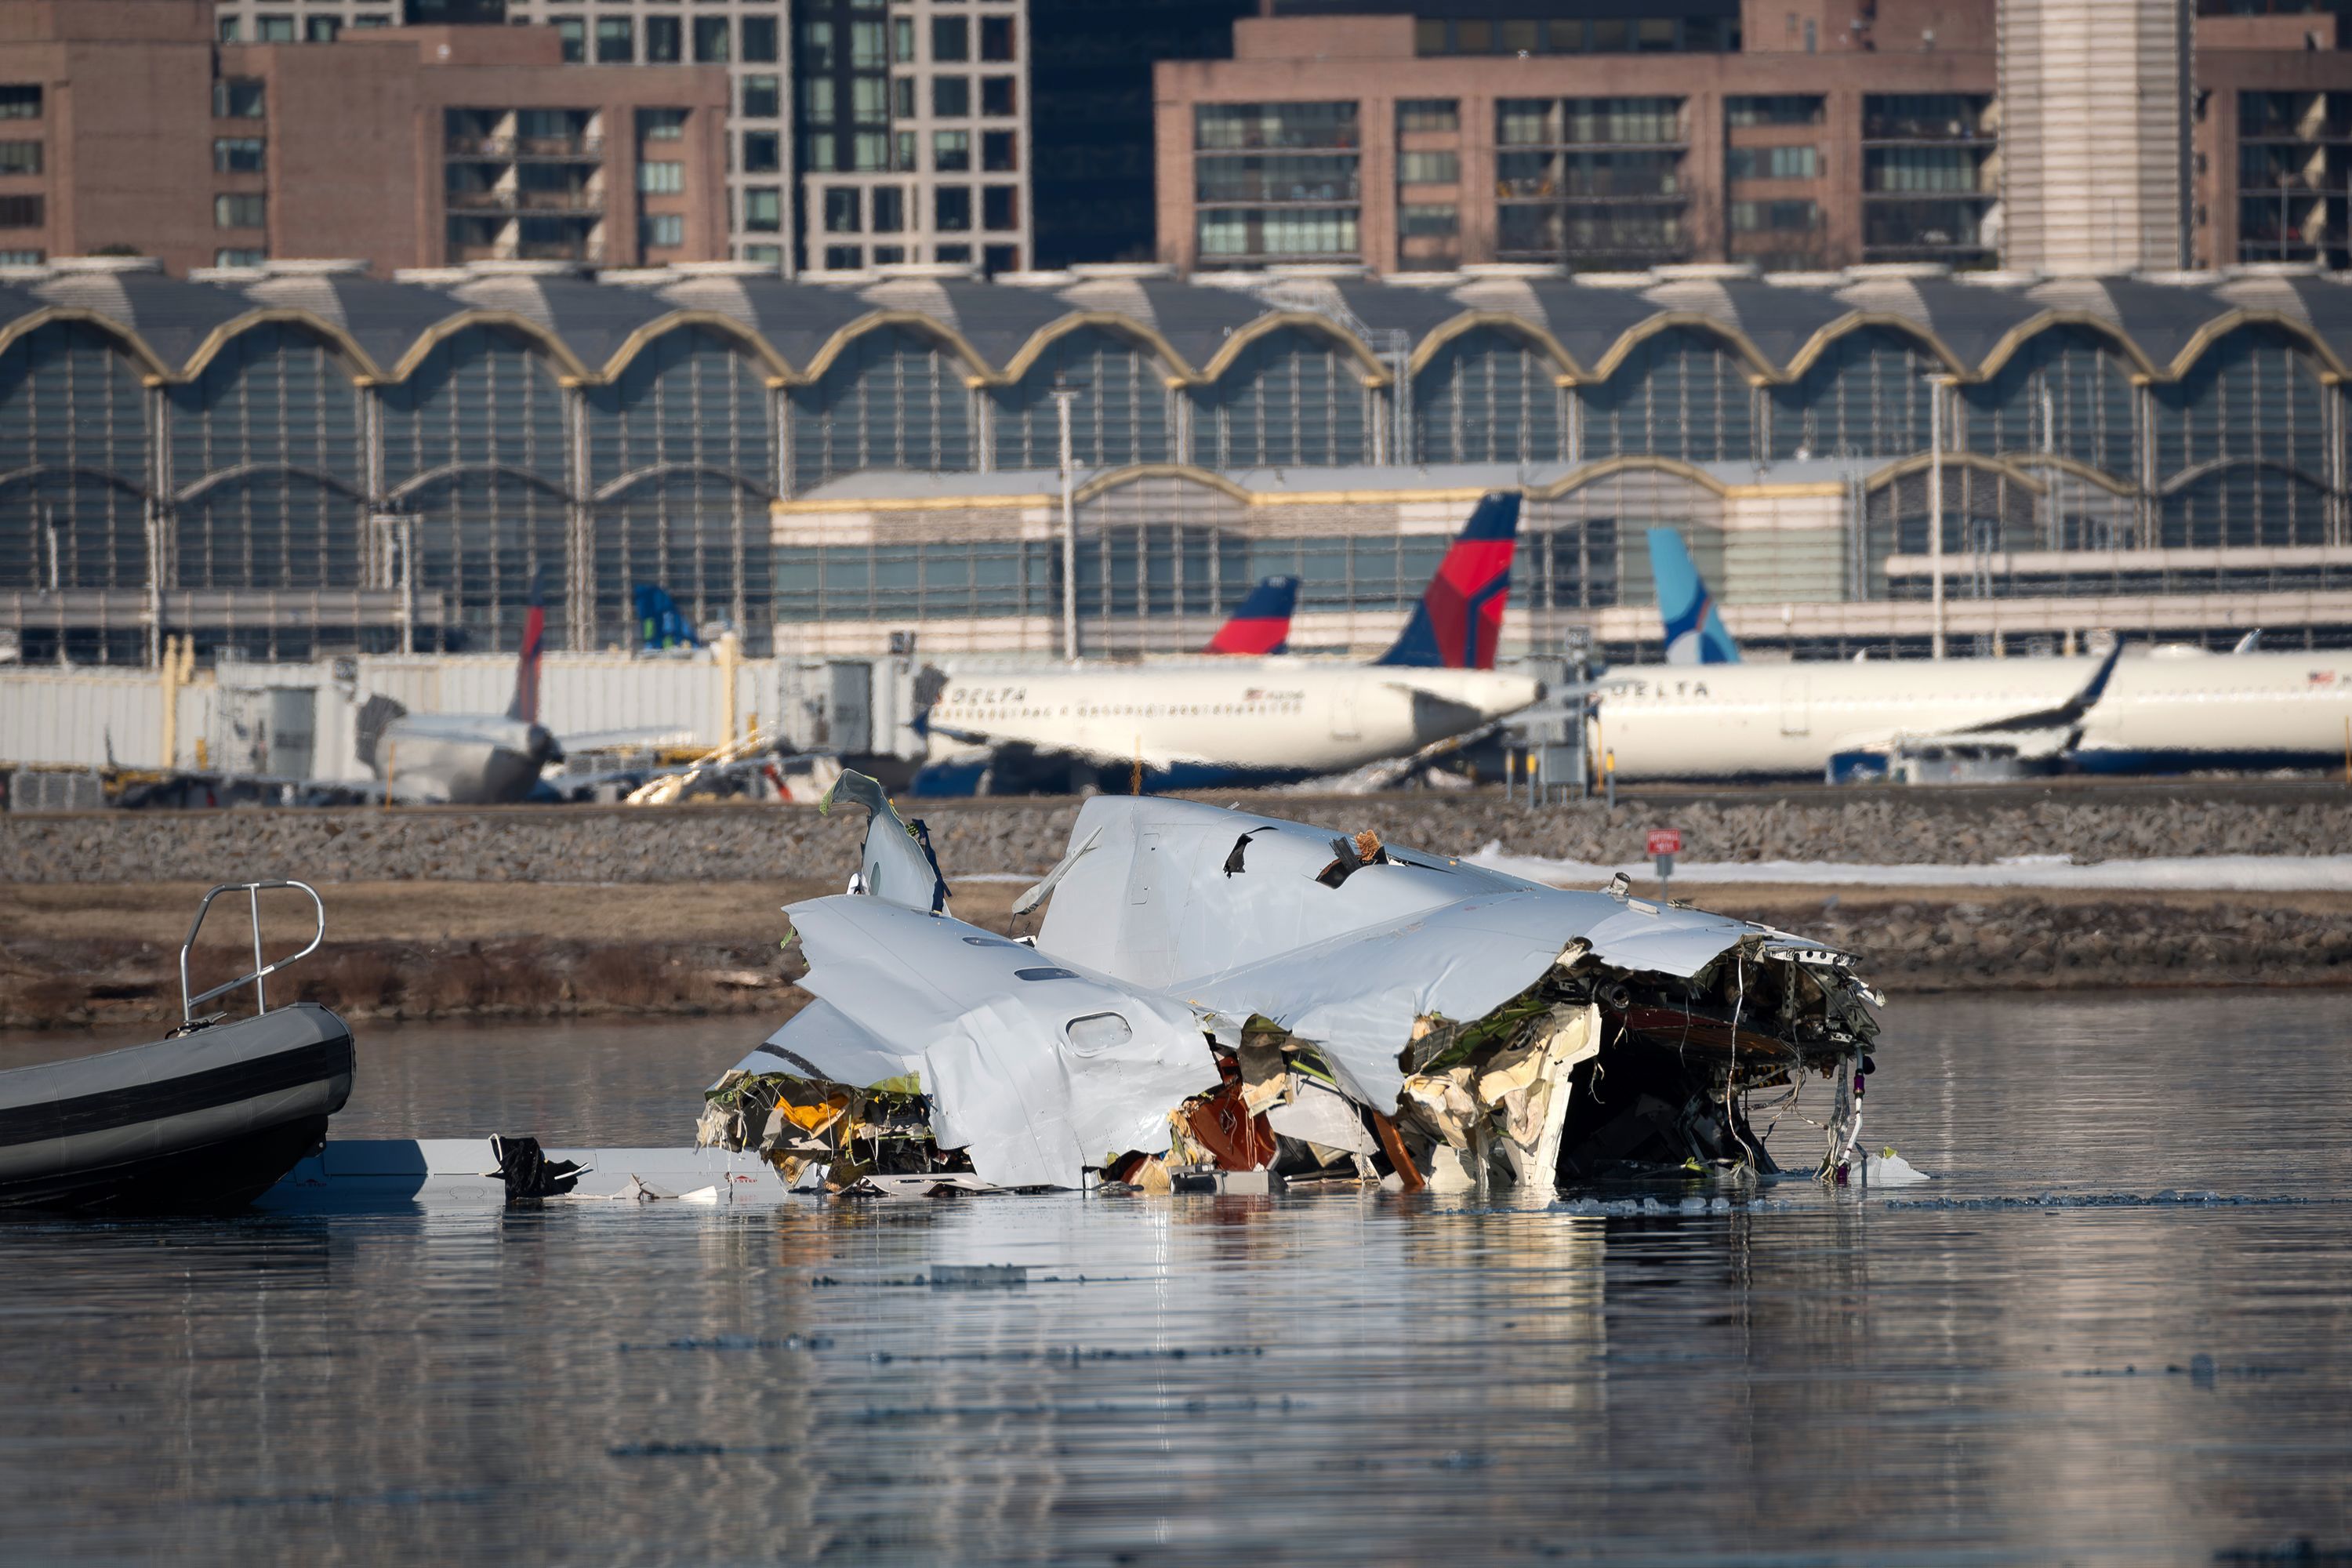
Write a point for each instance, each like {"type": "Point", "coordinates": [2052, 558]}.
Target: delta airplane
{"type": "Point", "coordinates": [464, 759]}
{"type": "Point", "coordinates": [1247, 721]}
{"type": "Point", "coordinates": [2168, 711]}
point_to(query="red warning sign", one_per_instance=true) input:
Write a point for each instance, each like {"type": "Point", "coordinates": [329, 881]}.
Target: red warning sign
{"type": "Point", "coordinates": [1666, 841]}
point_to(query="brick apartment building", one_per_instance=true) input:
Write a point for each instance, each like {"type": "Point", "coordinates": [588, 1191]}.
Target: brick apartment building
{"type": "Point", "coordinates": [1795, 134]}
{"type": "Point", "coordinates": [126, 125]}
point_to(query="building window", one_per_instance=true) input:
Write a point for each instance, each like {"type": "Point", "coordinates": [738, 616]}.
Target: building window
{"type": "Point", "coordinates": [661, 124]}
{"type": "Point", "coordinates": [1429, 168]}
{"type": "Point", "coordinates": [1000, 208]}
{"type": "Point", "coordinates": [24, 157]}
{"type": "Point", "coordinates": [710, 40]}
{"type": "Point", "coordinates": [236, 154]}
{"type": "Point", "coordinates": [951, 97]}
{"type": "Point", "coordinates": [773, 255]}
{"type": "Point", "coordinates": [662, 231]}
{"type": "Point", "coordinates": [760, 39]}
{"type": "Point", "coordinates": [274, 30]}
{"type": "Point", "coordinates": [21, 258]}
{"type": "Point", "coordinates": [996, 97]}
{"type": "Point", "coordinates": [371, 19]}
{"type": "Point", "coordinates": [21, 212]}
{"type": "Point", "coordinates": [902, 97]}
{"type": "Point", "coordinates": [869, 152]}
{"type": "Point", "coordinates": [950, 38]}
{"type": "Point", "coordinates": [902, 39]}
{"type": "Point", "coordinates": [996, 38]}
{"type": "Point", "coordinates": [763, 209]}
{"type": "Point", "coordinates": [1774, 217]}
{"type": "Point", "coordinates": [663, 39]}
{"type": "Point", "coordinates": [1000, 152]}
{"type": "Point", "coordinates": [1229, 127]}
{"type": "Point", "coordinates": [236, 97]}
{"type": "Point", "coordinates": [869, 99]}
{"type": "Point", "coordinates": [951, 150]}
{"type": "Point", "coordinates": [661, 179]}
{"type": "Point", "coordinates": [889, 255]}
{"type": "Point", "coordinates": [816, 152]}
{"type": "Point", "coordinates": [1429, 114]}
{"type": "Point", "coordinates": [902, 152]}
{"type": "Point", "coordinates": [762, 152]}
{"type": "Point", "coordinates": [230, 29]}
{"type": "Point", "coordinates": [1772, 163]}
{"type": "Point", "coordinates": [762, 98]}
{"type": "Point", "coordinates": [240, 209]}
{"type": "Point", "coordinates": [1430, 220]}
{"type": "Point", "coordinates": [996, 258]}
{"type": "Point", "coordinates": [1780, 109]}
{"type": "Point", "coordinates": [20, 100]}
{"type": "Point", "coordinates": [951, 209]}
{"type": "Point", "coordinates": [1233, 233]}
{"type": "Point", "coordinates": [616, 41]}
{"type": "Point", "coordinates": [322, 29]}
{"type": "Point", "coordinates": [816, 99]}
{"type": "Point", "coordinates": [574, 33]}
{"type": "Point", "coordinates": [951, 252]}
{"type": "Point", "coordinates": [237, 257]}
{"type": "Point", "coordinates": [840, 214]}
{"type": "Point", "coordinates": [889, 209]}
{"type": "Point", "coordinates": [844, 257]}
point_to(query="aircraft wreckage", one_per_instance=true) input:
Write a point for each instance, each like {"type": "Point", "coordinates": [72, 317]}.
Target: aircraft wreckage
{"type": "Point", "coordinates": [1213, 993]}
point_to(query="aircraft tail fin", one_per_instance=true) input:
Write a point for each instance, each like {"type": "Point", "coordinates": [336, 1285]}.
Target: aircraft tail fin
{"type": "Point", "coordinates": [375, 716]}
{"type": "Point", "coordinates": [1694, 630]}
{"type": "Point", "coordinates": [1262, 624]}
{"type": "Point", "coordinates": [525, 705]}
{"type": "Point", "coordinates": [1460, 616]}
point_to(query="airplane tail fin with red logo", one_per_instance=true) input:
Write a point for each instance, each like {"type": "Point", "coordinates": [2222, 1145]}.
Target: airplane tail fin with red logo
{"type": "Point", "coordinates": [1262, 624]}
{"type": "Point", "coordinates": [1460, 616]}
{"type": "Point", "coordinates": [525, 705]}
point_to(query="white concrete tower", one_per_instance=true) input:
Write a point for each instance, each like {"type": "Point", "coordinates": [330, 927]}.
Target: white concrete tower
{"type": "Point", "coordinates": [2094, 134]}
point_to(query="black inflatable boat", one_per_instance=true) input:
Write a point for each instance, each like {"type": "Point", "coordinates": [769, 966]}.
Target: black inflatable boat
{"type": "Point", "coordinates": [205, 1120]}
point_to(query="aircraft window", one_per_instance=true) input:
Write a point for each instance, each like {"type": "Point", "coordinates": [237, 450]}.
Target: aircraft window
{"type": "Point", "coordinates": [1097, 1032]}
{"type": "Point", "coordinates": [1050, 973]}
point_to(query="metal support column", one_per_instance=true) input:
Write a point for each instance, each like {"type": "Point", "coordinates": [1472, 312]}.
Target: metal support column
{"type": "Point", "coordinates": [579, 526]}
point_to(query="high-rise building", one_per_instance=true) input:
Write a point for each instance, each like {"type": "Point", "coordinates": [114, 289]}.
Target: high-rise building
{"type": "Point", "coordinates": [2078, 135]}
{"type": "Point", "coordinates": [125, 125]}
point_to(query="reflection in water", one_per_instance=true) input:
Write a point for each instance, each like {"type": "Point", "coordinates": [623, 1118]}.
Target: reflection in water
{"type": "Point", "coordinates": [1335, 1378]}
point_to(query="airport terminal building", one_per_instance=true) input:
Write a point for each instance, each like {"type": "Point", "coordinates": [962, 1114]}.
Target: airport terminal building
{"type": "Point", "coordinates": [298, 459]}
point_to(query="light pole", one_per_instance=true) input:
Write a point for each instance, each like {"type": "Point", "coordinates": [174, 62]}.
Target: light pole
{"type": "Point", "coordinates": [1936, 386]}
{"type": "Point", "coordinates": [1063, 394]}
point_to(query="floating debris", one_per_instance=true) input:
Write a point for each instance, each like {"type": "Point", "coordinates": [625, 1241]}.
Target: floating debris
{"type": "Point", "coordinates": [1220, 1001]}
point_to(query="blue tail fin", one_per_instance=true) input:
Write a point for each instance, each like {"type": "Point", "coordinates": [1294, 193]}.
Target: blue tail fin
{"type": "Point", "coordinates": [1460, 616]}
{"type": "Point", "coordinates": [1694, 630]}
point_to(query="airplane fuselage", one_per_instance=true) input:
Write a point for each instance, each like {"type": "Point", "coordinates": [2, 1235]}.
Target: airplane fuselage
{"type": "Point", "coordinates": [2158, 712]}
{"type": "Point", "coordinates": [1233, 721]}
{"type": "Point", "coordinates": [462, 759]}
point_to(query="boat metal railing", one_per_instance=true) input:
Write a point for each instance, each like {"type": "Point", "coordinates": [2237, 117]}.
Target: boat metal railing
{"type": "Point", "coordinates": [253, 891]}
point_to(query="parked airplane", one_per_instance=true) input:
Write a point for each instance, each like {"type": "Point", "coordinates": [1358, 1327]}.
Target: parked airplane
{"type": "Point", "coordinates": [1246, 721]}
{"type": "Point", "coordinates": [464, 759]}
{"type": "Point", "coordinates": [2168, 710]}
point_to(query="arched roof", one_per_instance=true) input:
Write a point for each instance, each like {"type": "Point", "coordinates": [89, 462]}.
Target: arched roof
{"type": "Point", "coordinates": [592, 329]}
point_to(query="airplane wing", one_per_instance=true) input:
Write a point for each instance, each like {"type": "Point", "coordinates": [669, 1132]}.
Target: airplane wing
{"type": "Point", "coordinates": [2036, 733]}
{"type": "Point", "coordinates": [615, 739]}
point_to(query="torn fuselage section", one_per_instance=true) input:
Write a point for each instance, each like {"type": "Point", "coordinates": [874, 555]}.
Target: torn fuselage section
{"type": "Point", "coordinates": [1216, 991]}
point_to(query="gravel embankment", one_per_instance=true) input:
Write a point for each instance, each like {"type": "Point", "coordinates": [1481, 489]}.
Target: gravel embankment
{"type": "Point", "coordinates": [719, 843]}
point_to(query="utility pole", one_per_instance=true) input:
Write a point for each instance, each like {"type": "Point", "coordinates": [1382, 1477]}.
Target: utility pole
{"type": "Point", "coordinates": [1936, 386]}
{"type": "Point", "coordinates": [1064, 393]}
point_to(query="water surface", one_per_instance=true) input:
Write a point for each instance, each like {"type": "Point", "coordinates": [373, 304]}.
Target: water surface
{"type": "Point", "coordinates": [1332, 1379]}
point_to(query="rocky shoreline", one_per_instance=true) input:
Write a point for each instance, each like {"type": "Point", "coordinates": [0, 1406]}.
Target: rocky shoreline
{"type": "Point", "coordinates": [1913, 947]}
{"type": "Point", "coordinates": [580, 845]}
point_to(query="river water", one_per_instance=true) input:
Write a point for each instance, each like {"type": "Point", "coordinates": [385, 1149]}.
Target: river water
{"type": "Point", "coordinates": [1340, 1378]}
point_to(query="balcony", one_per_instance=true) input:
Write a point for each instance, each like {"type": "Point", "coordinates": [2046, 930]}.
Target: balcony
{"type": "Point", "coordinates": [583, 202]}
{"type": "Point", "coordinates": [508, 147]}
